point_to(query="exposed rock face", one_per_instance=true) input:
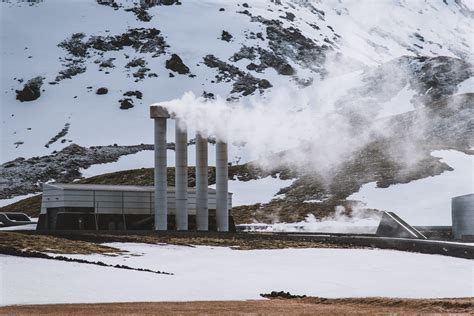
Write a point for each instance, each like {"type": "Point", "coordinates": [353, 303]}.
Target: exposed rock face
{"type": "Point", "coordinates": [245, 83]}
{"type": "Point", "coordinates": [102, 91]}
{"type": "Point", "coordinates": [23, 176]}
{"type": "Point", "coordinates": [266, 58]}
{"type": "Point", "coordinates": [175, 63]}
{"type": "Point", "coordinates": [80, 48]}
{"type": "Point", "coordinates": [31, 90]}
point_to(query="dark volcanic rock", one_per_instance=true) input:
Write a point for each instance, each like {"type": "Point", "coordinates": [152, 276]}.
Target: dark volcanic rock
{"type": "Point", "coordinates": [281, 294]}
{"type": "Point", "coordinates": [208, 95]}
{"type": "Point", "coordinates": [141, 13]}
{"type": "Point", "coordinates": [60, 134]}
{"type": "Point", "coordinates": [175, 63]}
{"type": "Point", "coordinates": [226, 36]}
{"type": "Point", "coordinates": [143, 40]}
{"type": "Point", "coordinates": [31, 90]}
{"type": "Point", "coordinates": [72, 68]}
{"type": "Point", "coordinates": [244, 83]}
{"type": "Point", "coordinates": [169, 2]}
{"type": "Point", "coordinates": [136, 93]}
{"type": "Point", "coordinates": [22, 176]}
{"type": "Point", "coordinates": [75, 45]}
{"type": "Point", "coordinates": [126, 104]}
{"type": "Point", "coordinates": [109, 3]}
{"type": "Point", "coordinates": [102, 90]}
{"type": "Point", "coordinates": [136, 62]}
{"type": "Point", "coordinates": [267, 59]}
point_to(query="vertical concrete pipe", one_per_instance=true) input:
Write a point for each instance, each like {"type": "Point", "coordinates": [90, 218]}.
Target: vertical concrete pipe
{"type": "Point", "coordinates": [202, 207]}
{"type": "Point", "coordinates": [160, 116]}
{"type": "Point", "coordinates": [222, 170]}
{"type": "Point", "coordinates": [462, 211]}
{"type": "Point", "coordinates": [181, 176]}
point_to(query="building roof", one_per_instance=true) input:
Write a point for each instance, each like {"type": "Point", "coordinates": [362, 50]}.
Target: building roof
{"type": "Point", "coordinates": [110, 187]}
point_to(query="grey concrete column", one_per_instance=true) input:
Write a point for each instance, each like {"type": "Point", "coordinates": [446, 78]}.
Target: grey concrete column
{"type": "Point", "coordinates": [462, 211]}
{"type": "Point", "coordinates": [181, 177]}
{"type": "Point", "coordinates": [222, 170]}
{"type": "Point", "coordinates": [160, 115]}
{"type": "Point", "coordinates": [202, 212]}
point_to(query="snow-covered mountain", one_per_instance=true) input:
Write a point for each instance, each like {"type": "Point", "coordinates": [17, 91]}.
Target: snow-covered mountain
{"type": "Point", "coordinates": [85, 71]}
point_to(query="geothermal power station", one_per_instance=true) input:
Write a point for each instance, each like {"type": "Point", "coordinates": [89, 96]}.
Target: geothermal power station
{"type": "Point", "coordinates": [161, 207]}
{"type": "Point", "coordinates": [122, 207]}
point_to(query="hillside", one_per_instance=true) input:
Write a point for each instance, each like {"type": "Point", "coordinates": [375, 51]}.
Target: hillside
{"type": "Point", "coordinates": [334, 95]}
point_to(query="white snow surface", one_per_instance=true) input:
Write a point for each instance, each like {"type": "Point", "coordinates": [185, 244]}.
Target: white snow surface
{"type": "Point", "coordinates": [220, 273]}
{"type": "Point", "coordinates": [20, 227]}
{"type": "Point", "coordinates": [425, 201]}
{"type": "Point", "coordinates": [250, 192]}
{"type": "Point", "coordinates": [15, 199]}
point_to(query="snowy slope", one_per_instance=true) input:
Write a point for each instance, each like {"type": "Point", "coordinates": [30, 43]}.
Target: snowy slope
{"type": "Point", "coordinates": [346, 60]}
{"type": "Point", "coordinates": [368, 33]}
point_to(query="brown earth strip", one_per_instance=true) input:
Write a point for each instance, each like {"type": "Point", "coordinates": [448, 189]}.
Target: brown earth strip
{"type": "Point", "coordinates": [306, 306]}
{"type": "Point", "coordinates": [50, 244]}
{"type": "Point", "coordinates": [242, 241]}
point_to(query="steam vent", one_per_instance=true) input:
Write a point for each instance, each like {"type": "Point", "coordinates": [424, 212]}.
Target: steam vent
{"type": "Point", "coordinates": [161, 208]}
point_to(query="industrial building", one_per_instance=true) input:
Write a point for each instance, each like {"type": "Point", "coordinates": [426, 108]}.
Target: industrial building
{"type": "Point", "coordinates": [113, 207]}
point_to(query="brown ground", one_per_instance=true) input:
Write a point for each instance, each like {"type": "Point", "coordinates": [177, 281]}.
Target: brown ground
{"type": "Point", "coordinates": [42, 243]}
{"type": "Point", "coordinates": [307, 306]}
{"type": "Point", "coordinates": [88, 243]}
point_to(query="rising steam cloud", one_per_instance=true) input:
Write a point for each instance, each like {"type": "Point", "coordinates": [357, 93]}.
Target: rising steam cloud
{"type": "Point", "coordinates": [320, 126]}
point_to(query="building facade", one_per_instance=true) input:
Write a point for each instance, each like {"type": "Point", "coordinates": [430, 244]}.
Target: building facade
{"type": "Point", "coordinates": [115, 207]}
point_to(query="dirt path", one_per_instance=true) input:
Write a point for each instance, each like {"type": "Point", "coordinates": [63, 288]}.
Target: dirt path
{"type": "Point", "coordinates": [306, 306]}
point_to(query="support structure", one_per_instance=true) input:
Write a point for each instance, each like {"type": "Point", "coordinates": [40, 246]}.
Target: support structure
{"type": "Point", "coordinates": [160, 115]}
{"type": "Point", "coordinates": [222, 208]}
{"type": "Point", "coordinates": [202, 211]}
{"type": "Point", "coordinates": [181, 176]}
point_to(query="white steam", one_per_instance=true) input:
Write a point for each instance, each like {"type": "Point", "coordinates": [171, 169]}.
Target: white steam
{"type": "Point", "coordinates": [359, 222]}
{"type": "Point", "coordinates": [320, 126]}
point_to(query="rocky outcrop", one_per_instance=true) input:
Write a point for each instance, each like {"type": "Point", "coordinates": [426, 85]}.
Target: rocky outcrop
{"type": "Point", "coordinates": [126, 104]}
{"type": "Point", "coordinates": [102, 91]}
{"type": "Point", "coordinates": [226, 36]}
{"type": "Point", "coordinates": [244, 83]}
{"type": "Point", "coordinates": [31, 90]}
{"type": "Point", "coordinates": [175, 63]}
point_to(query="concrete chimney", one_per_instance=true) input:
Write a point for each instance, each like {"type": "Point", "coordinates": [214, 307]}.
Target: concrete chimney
{"type": "Point", "coordinates": [222, 171]}
{"type": "Point", "coordinates": [159, 114]}
{"type": "Point", "coordinates": [181, 176]}
{"type": "Point", "coordinates": [202, 211]}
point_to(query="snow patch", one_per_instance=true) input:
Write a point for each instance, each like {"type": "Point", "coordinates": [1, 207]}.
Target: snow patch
{"type": "Point", "coordinates": [255, 191]}
{"type": "Point", "coordinates": [426, 201]}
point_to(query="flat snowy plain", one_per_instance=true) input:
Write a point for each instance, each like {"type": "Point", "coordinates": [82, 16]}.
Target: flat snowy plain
{"type": "Point", "coordinates": [220, 273]}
